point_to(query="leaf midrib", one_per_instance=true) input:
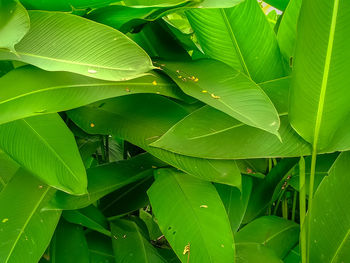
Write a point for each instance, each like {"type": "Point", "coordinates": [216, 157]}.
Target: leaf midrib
{"type": "Point", "coordinates": [234, 41]}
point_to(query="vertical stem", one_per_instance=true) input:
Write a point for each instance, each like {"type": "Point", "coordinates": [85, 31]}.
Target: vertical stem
{"type": "Point", "coordinates": [102, 149]}
{"type": "Point", "coordinates": [311, 195]}
{"type": "Point", "coordinates": [302, 204]}
{"type": "Point", "coordinates": [107, 148]}
{"type": "Point", "coordinates": [285, 208]}
{"type": "Point", "coordinates": [294, 205]}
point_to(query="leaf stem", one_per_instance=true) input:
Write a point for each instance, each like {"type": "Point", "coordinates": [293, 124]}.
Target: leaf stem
{"type": "Point", "coordinates": [302, 207]}
{"type": "Point", "coordinates": [294, 205]}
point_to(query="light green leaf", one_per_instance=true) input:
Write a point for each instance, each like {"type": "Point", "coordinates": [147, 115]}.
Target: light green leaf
{"type": "Point", "coordinates": [227, 35]}
{"type": "Point", "coordinates": [45, 146]}
{"type": "Point", "coordinates": [105, 179]}
{"type": "Point", "coordinates": [131, 244]}
{"type": "Point", "coordinates": [152, 225]}
{"type": "Point", "coordinates": [321, 65]}
{"type": "Point", "coordinates": [69, 244]}
{"type": "Point", "coordinates": [31, 91]}
{"type": "Point", "coordinates": [218, 4]}
{"type": "Point", "coordinates": [225, 89]}
{"type": "Point", "coordinates": [276, 233]}
{"type": "Point", "coordinates": [89, 217]}
{"type": "Point", "coordinates": [25, 228]}
{"type": "Point", "coordinates": [330, 228]}
{"type": "Point", "coordinates": [95, 50]}
{"type": "Point", "coordinates": [14, 24]}
{"type": "Point", "coordinates": [293, 256]}
{"type": "Point", "coordinates": [195, 207]}
{"type": "Point", "coordinates": [143, 124]}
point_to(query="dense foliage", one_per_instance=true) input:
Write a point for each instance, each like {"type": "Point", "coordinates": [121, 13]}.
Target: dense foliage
{"type": "Point", "coordinates": [188, 131]}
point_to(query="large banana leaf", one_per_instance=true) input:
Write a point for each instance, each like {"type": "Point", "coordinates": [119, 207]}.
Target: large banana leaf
{"type": "Point", "coordinates": [45, 146]}
{"type": "Point", "coordinates": [29, 91]}
{"type": "Point", "coordinates": [14, 24]}
{"type": "Point", "coordinates": [64, 42]}
{"type": "Point", "coordinates": [274, 232]}
{"type": "Point", "coordinates": [330, 228]}
{"type": "Point", "coordinates": [225, 89]}
{"type": "Point", "coordinates": [254, 252]}
{"type": "Point", "coordinates": [131, 242]}
{"type": "Point", "coordinates": [190, 3]}
{"type": "Point", "coordinates": [105, 179]}
{"type": "Point", "coordinates": [25, 228]}
{"type": "Point", "coordinates": [187, 209]}
{"type": "Point", "coordinates": [143, 124]}
{"type": "Point", "coordinates": [227, 35]}
{"type": "Point", "coordinates": [69, 244]}
{"type": "Point", "coordinates": [319, 101]}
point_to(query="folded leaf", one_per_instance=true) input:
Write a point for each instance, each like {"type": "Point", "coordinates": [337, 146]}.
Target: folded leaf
{"type": "Point", "coordinates": [31, 91]}
{"type": "Point", "coordinates": [100, 248]}
{"type": "Point", "coordinates": [26, 229]}
{"type": "Point", "coordinates": [64, 5]}
{"type": "Point", "coordinates": [186, 209]}
{"type": "Point", "coordinates": [45, 146]}
{"type": "Point", "coordinates": [225, 89]}
{"type": "Point", "coordinates": [64, 42]}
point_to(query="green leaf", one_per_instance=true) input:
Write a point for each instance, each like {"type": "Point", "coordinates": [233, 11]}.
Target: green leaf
{"type": "Point", "coordinates": [105, 179]}
{"type": "Point", "coordinates": [45, 146]}
{"type": "Point", "coordinates": [143, 124]}
{"type": "Point", "coordinates": [7, 169]}
{"type": "Point", "coordinates": [100, 248]}
{"type": "Point", "coordinates": [114, 56]}
{"type": "Point", "coordinates": [324, 163]}
{"type": "Point", "coordinates": [255, 253]}
{"type": "Point", "coordinates": [31, 91]}
{"type": "Point", "coordinates": [14, 24]}
{"type": "Point", "coordinates": [225, 89]}
{"type": "Point", "coordinates": [287, 30]}
{"type": "Point", "coordinates": [5, 67]}
{"type": "Point", "coordinates": [293, 256]}
{"type": "Point", "coordinates": [89, 217]}
{"type": "Point", "coordinates": [25, 228]}
{"type": "Point", "coordinates": [209, 133]}
{"type": "Point", "coordinates": [152, 225]}
{"type": "Point", "coordinates": [330, 228]}
{"type": "Point", "coordinates": [69, 244]}
{"type": "Point", "coordinates": [218, 4]}
{"type": "Point", "coordinates": [321, 63]}
{"type": "Point", "coordinates": [279, 4]}
{"type": "Point", "coordinates": [131, 244]}
{"type": "Point", "coordinates": [276, 233]}
{"type": "Point", "coordinates": [263, 191]}
{"type": "Point", "coordinates": [64, 5]}
{"type": "Point", "coordinates": [128, 199]}
{"type": "Point", "coordinates": [195, 207]}
{"type": "Point", "coordinates": [227, 35]}
{"type": "Point", "coordinates": [235, 201]}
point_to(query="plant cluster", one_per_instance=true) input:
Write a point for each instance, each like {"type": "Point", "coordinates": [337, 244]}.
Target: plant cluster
{"type": "Point", "coordinates": [193, 131]}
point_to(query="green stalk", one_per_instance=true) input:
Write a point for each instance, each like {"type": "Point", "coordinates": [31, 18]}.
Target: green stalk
{"type": "Point", "coordinates": [285, 208]}
{"type": "Point", "coordinates": [294, 205]}
{"type": "Point", "coordinates": [311, 195]}
{"type": "Point", "coordinates": [302, 204]}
